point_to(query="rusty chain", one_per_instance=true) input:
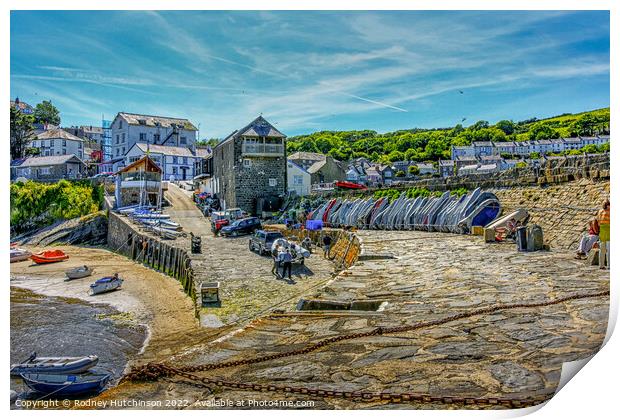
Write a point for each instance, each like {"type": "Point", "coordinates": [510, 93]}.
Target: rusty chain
{"type": "Point", "coordinates": [154, 371]}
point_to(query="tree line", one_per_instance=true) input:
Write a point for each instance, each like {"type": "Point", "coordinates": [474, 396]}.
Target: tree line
{"type": "Point", "coordinates": [426, 145]}
{"type": "Point", "coordinates": [23, 125]}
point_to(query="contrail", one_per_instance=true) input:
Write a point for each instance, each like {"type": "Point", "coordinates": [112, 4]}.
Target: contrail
{"type": "Point", "coordinates": [374, 102]}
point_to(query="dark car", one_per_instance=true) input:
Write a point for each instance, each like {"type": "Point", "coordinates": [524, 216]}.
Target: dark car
{"type": "Point", "coordinates": [262, 240]}
{"type": "Point", "coordinates": [241, 227]}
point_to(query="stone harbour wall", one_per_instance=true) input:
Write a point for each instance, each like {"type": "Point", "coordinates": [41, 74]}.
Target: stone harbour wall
{"type": "Point", "coordinates": [562, 210]}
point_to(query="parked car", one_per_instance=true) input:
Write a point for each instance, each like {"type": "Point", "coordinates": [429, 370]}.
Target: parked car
{"type": "Point", "coordinates": [262, 240]}
{"type": "Point", "coordinates": [241, 227]}
{"type": "Point", "coordinates": [219, 219]}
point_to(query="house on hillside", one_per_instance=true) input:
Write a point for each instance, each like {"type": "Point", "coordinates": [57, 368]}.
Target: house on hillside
{"type": "Point", "coordinates": [446, 168]}
{"type": "Point", "coordinates": [250, 164]}
{"type": "Point", "coordinates": [23, 107]}
{"type": "Point", "coordinates": [326, 171]}
{"type": "Point", "coordinates": [176, 163]}
{"type": "Point", "coordinates": [379, 175]}
{"type": "Point", "coordinates": [298, 179]}
{"type": "Point", "coordinates": [306, 159]}
{"type": "Point", "coordinates": [128, 129]}
{"type": "Point", "coordinates": [58, 142]}
{"type": "Point", "coordinates": [48, 168]}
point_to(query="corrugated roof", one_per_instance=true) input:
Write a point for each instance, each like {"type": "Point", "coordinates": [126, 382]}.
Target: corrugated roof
{"type": "Point", "coordinates": [57, 133]}
{"type": "Point", "coordinates": [157, 121]}
{"type": "Point", "coordinates": [48, 160]}
{"type": "Point", "coordinates": [165, 150]}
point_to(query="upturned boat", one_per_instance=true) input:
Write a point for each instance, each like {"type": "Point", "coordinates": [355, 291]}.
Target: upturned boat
{"type": "Point", "coordinates": [66, 385]}
{"type": "Point", "coordinates": [47, 257]}
{"type": "Point", "coordinates": [106, 284]}
{"type": "Point", "coordinates": [79, 272]}
{"type": "Point", "coordinates": [18, 254]}
{"type": "Point", "coordinates": [54, 365]}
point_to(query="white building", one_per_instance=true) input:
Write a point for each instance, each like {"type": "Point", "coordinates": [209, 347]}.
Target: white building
{"type": "Point", "coordinates": [177, 163]}
{"type": "Point", "coordinates": [298, 179]}
{"type": "Point", "coordinates": [57, 142]}
{"type": "Point", "coordinates": [128, 129]}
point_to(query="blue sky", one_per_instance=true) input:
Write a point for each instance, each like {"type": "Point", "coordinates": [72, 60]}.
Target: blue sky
{"type": "Point", "coordinates": [309, 71]}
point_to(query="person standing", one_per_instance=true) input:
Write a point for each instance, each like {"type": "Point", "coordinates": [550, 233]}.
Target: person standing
{"type": "Point", "coordinates": [604, 236]}
{"type": "Point", "coordinates": [275, 254]}
{"type": "Point", "coordinates": [327, 245]}
{"type": "Point", "coordinates": [287, 263]}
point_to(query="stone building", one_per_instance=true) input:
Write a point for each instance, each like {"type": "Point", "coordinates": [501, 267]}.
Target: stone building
{"type": "Point", "coordinates": [327, 170]}
{"type": "Point", "coordinates": [48, 168]}
{"type": "Point", "coordinates": [306, 159]}
{"type": "Point", "coordinates": [250, 164]}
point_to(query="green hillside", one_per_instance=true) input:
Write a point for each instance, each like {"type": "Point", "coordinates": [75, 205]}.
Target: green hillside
{"type": "Point", "coordinates": [432, 144]}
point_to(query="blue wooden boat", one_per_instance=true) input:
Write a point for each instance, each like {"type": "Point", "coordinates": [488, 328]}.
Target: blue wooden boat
{"type": "Point", "coordinates": [54, 365]}
{"type": "Point", "coordinates": [66, 385]}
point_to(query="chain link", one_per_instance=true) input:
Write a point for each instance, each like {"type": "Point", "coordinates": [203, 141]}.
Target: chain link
{"type": "Point", "coordinates": [153, 371]}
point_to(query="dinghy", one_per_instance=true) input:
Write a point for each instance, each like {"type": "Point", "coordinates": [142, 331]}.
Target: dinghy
{"type": "Point", "coordinates": [166, 224]}
{"type": "Point", "coordinates": [18, 254]}
{"type": "Point", "coordinates": [106, 284]}
{"type": "Point", "coordinates": [55, 365]}
{"type": "Point", "coordinates": [47, 257]}
{"type": "Point", "coordinates": [79, 272]}
{"type": "Point", "coordinates": [66, 385]}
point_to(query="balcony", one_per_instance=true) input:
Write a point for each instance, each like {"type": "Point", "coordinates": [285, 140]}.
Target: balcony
{"type": "Point", "coordinates": [262, 149]}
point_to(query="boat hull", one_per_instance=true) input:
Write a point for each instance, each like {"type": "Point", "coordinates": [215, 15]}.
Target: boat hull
{"type": "Point", "coordinates": [48, 257]}
{"type": "Point", "coordinates": [56, 365]}
{"type": "Point", "coordinates": [65, 385]}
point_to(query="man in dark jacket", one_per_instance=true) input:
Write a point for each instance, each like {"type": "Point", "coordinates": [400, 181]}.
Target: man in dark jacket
{"type": "Point", "coordinates": [327, 245]}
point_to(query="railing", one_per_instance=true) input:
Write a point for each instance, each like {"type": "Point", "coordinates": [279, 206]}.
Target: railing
{"type": "Point", "coordinates": [264, 149]}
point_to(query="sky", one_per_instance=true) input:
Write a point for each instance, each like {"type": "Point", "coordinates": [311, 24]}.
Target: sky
{"type": "Point", "coordinates": [311, 71]}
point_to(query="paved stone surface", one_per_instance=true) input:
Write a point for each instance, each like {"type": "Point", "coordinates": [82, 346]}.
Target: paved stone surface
{"type": "Point", "coordinates": [247, 287]}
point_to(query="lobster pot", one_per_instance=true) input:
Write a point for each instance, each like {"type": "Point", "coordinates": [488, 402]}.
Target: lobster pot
{"type": "Point", "coordinates": [210, 292]}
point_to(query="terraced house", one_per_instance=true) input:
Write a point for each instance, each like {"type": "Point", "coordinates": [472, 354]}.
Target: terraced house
{"type": "Point", "coordinates": [248, 165]}
{"type": "Point", "coordinates": [57, 142]}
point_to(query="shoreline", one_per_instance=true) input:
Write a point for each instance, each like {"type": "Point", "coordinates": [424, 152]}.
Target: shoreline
{"type": "Point", "coordinates": [152, 300]}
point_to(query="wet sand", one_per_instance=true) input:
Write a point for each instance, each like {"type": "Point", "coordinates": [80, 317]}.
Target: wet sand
{"type": "Point", "coordinates": [149, 298]}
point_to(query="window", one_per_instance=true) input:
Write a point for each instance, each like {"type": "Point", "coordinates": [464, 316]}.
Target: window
{"type": "Point", "coordinates": [174, 170]}
{"type": "Point", "coordinates": [298, 180]}
{"type": "Point", "coordinates": [44, 171]}
{"type": "Point", "coordinates": [64, 143]}
{"type": "Point", "coordinates": [52, 143]}
{"type": "Point", "coordinates": [174, 159]}
{"type": "Point", "coordinates": [120, 123]}
{"type": "Point", "coordinates": [156, 138]}
{"type": "Point", "coordinates": [142, 136]}
{"type": "Point", "coordinates": [117, 138]}
{"type": "Point", "coordinates": [184, 160]}
{"type": "Point", "coordinates": [123, 150]}
{"type": "Point", "coordinates": [123, 137]}
{"type": "Point", "coordinates": [247, 163]}
{"type": "Point", "coordinates": [64, 151]}
{"type": "Point", "coordinates": [183, 140]}
{"type": "Point", "coordinates": [273, 182]}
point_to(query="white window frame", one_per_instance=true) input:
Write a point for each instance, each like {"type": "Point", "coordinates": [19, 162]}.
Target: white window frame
{"type": "Point", "coordinates": [247, 163]}
{"type": "Point", "coordinates": [273, 182]}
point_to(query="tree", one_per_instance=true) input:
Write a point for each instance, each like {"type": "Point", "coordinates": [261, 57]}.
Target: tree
{"type": "Point", "coordinates": [413, 170]}
{"type": "Point", "coordinates": [508, 127]}
{"type": "Point", "coordinates": [395, 156]}
{"type": "Point", "coordinates": [46, 113]}
{"type": "Point", "coordinates": [211, 142]}
{"type": "Point", "coordinates": [400, 174]}
{"type": "Point", "coordinates": [480, 124]}
{"type": "Point", "coordinates": [22, 132]}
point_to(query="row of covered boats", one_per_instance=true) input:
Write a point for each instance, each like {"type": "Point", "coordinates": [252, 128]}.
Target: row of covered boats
{"type": "Point", "coordinates": [153, 221]}
{"type": "Point", "coordinates": [446, 213]}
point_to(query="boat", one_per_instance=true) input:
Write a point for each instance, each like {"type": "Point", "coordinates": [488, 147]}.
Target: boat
{"type": "Point", "coordinates": [79, 272]}
{"type": "Point", "coordinates": [106, 284]}
{"type": "Point", "coordinates": [349, 185]}
{"type": "Point", "coordinates": [18, 254]}
{"type": "Point", "coordinates": [47, 257]}
{"type": "Point", "coordinates": [166, 224]}
{"type": "Point", "coordinates": [54, 365]}
{"type": "Point", "coordinates": [66, 385]}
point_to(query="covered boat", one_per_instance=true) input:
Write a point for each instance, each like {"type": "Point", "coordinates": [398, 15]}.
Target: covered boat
{"type": "Point", "coordinates": [79, 272]}
{"type": "Point", "coordinates": [47, 257]}
{"type": "Point", "coordinates": [106, 284]}
{"type": "Point", "coordinates": [349, 185]}
{"type": "Point", "coordinates": [66, 385]}
{"type": "Point", "coordinates": [55, 365]}
{"type": "Point", "coordinates": [18, 254]}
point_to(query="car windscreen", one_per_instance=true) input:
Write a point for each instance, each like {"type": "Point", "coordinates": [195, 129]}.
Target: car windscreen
{"type": "Point", "coordinates": [274, 236]}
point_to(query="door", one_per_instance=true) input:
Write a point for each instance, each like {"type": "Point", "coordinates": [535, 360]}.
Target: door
{"type": "Point", "coordinates": [184, 173]}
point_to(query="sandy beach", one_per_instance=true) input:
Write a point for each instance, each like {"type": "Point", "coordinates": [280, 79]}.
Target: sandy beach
{"type": "Point", "coordinates": [147, 297]}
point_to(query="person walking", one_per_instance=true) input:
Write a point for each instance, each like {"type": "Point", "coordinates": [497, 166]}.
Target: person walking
{"type": "Point", "coordinates": [588, 239]}
{"type": "Point", "coordinates": [287, 263]}
{"type": "Point", "coordinates": [604, 236]}
{"type": "Point", "coordinates": [327, 245]}
{"type": "Point", "coordinates": [275, 254]}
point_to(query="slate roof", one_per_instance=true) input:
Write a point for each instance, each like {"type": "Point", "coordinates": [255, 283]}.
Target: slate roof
{"type": "Point", "coordinates": [157, 121]}
{"type": "Point", "coordinates": [307, 156]}
{"type": "Point", "coordinates": [57, 133]}
{"type": "Point", "coordinates": [48, 160]}
{"type": "Point", "coordinates": [165, 150]}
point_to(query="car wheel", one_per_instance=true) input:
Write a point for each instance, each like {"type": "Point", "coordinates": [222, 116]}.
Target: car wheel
{"type": "Point", "coordinates": [302, 262]}
{"type": "Point", "coordinates": [251, 247]}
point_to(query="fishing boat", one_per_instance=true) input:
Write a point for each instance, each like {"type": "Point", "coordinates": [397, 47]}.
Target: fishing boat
{"type": "Point", "coordinates": [79, 272]}
{"type": "Point", "coordinates": [47, 257]}
{"type": "Point", "coordinates": [106, 284]}
{"type": "Point", "coordinates": [18, 254]}
{"type": "Point", "coordinates": [54, 365]}
{"type": "Point", "coordinates": [66, 385]}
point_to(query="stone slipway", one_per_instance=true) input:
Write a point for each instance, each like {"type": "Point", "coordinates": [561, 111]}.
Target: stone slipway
{"type": "Point", "coordinates": [514, 353]}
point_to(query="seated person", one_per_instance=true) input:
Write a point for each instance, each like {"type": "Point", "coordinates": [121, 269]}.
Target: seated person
{"type": "Point", "coordinates": [588, 239]}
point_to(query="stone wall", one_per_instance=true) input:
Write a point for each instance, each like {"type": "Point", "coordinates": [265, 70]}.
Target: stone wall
{"type": "Point", "coordinates": [562, 210]}
{"type": "Point", "coordinates": [169, 259]}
